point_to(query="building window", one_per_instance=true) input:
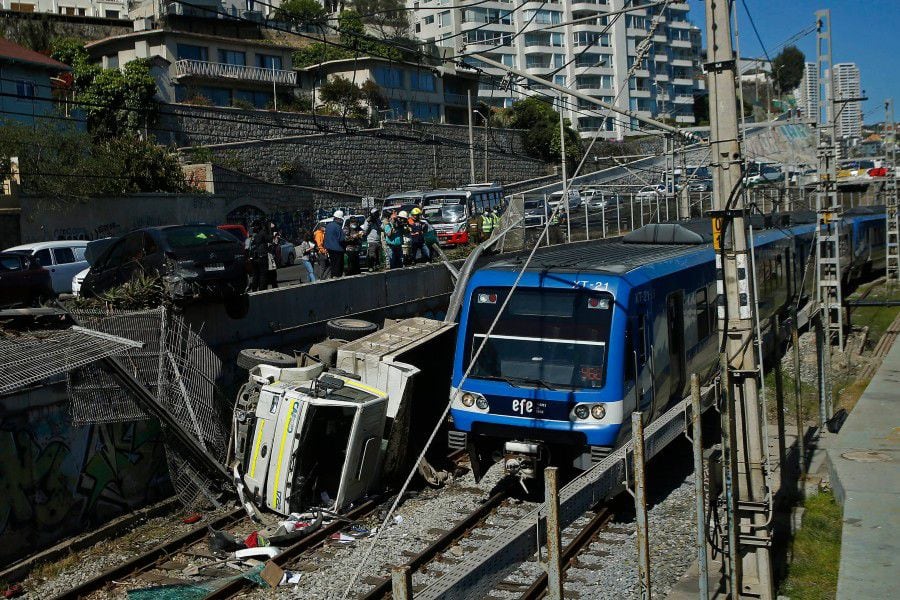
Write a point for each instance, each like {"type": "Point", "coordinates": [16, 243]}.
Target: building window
{"type": "Point", "coordinates": [268, 61]}
{"type": "Point", "coordinates": [112, 14]}
{"type": "Point", "coordinates": [588, 38]}
{"type": "Point", "coordinates": [388, 77]}
{"type": "Point", "coordinates": [542, 17]}
{"type": "Point", "coordinates": [421, 81]}
{"type": "Point", "coordinates": [593, 81]}
{"type": "Point", "coordinates": [559, 60]}
{"type": "Point", "coordinates": [191, 52]}
{"type": "Point", "coordinates": [425, 111]}
{"type": "Point", "coordinates": [21, 7]}
{"type": "Point", "coordinates": [218, 96]}
{"type": "Point", "coordinates": [25, 89]}
{"type": "Point", "coordinates": [444, 18]}
{"type": "Point", "coordinates": [485, 36]}
{"type": "Point", "coordinates": [233, 57]}
{"type": "Point", "coordinates": [428, 20]}
{"type": "Point", "coordinates": [256, 98]}
{"type": "Point", "coordinates": [508, 59]}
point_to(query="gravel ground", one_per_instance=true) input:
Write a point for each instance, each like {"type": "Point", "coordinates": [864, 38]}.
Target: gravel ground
{"type": "Point", "coordinates": [327, 572]}
{"type": "Point", "coordinates": [47, 581]}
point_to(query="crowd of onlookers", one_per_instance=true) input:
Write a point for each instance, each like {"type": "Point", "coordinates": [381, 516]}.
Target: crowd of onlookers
{"type": "Point", "coordinates": [345, 247]}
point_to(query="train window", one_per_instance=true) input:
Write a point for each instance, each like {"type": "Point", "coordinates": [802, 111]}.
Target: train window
{"type": "Point", "coordinates": [702, 314]}
{"type": "Point", "coordinates": [641, 339]}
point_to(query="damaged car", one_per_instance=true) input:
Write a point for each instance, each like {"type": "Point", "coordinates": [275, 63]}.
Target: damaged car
{"type": "Point", "coordinates": [193, 261]}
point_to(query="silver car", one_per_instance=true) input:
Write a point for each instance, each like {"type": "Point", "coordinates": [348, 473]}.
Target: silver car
{"type": "Point", "coordinates": [63, 258]}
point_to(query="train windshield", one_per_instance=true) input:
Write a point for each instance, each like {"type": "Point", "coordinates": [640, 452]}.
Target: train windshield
{"type": "Point", "coordinates": [555, 339]}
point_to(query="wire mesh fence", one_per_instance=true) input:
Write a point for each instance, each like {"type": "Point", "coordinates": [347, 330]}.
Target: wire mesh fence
{"type": "Point", "coordinates": [175, 366]}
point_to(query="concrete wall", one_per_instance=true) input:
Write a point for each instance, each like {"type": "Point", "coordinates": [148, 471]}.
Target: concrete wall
{"type": "Point", "coordinates": [287, 318]}
{"type": "Point", "coordinates": [57, 480]}
{"type": "Point", "coordinates": [101, 217]}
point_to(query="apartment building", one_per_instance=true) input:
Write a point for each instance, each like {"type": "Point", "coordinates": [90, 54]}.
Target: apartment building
{"type": "Point", "coordinates": [808, 92]}
{"type": "Point", "coordinates": [576, 44]}
{"type": "Point", "coordinates": [846, 85]}
{"type": "Point", "coordinates": [110, 9]}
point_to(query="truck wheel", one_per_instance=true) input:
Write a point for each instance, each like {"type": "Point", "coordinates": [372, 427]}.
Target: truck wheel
{"type": "Point", "coordinates": [250, 357]}
{"type": "Point", "coordinates": [349, 329]}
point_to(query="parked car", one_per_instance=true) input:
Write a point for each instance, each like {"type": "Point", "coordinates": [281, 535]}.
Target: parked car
{"type": "Point", "coordinates": [759, 174]}
{"type": "Point", "coordinates": [195, 261]}
{"type": "Point", "coordinates": [63, 259]}
{"type": "Point", "coordinates": [574, 199]}
{"type": "Point", "coordinates": [855, 168]}
{"type": "Point", "coordinates": [23, 281]}
{"type": "Point", "coordinates": [652, 192]}
{"type": "Point", "coordinates": [91, 253]}
{"type": "Point", "coordinates": [700, 185]}
{"type": "Point", "coordinates": [536, 212]}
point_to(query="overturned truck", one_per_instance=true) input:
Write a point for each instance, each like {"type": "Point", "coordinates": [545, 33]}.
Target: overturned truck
{"type": "Point", "coordinates": [349, 418]}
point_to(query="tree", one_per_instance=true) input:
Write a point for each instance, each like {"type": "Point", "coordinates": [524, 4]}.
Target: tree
{"type": "Point", "coordinates": [343, 93]}
{"type": "Point", "coordinates": [302, 13]}
{"type": "Point", "coordinates": [541, 125]}
{"type": "Point", "coordinates": [787, 69]}
{"type": "Point", "coordinates": [390, 18]}
{"type": "Point", "coordinates": [60, 163]}
{"type": "Point", "coordinates": [373, 95]}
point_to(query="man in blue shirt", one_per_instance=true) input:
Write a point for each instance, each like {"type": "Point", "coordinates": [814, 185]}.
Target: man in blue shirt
{"type": "Point", "coordinates": [334, 243]}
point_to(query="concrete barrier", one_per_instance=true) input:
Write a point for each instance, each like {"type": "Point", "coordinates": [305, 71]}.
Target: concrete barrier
{"type": "Point", "coordinates": [288, 317]}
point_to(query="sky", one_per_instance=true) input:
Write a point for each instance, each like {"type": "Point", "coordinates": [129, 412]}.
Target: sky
{"type": "Point", "coordinates": [866, 32]}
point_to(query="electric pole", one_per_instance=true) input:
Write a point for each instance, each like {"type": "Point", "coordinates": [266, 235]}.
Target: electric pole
{"type": "Point", "coordinates": [746, 490]}
{"type": "Point", "coordinates": [471, 139]}
{"type": "Point", "coordinates": [890, 195]}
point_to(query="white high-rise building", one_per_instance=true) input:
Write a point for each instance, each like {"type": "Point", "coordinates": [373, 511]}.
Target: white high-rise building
{"type": "Point", "coordinates": [846, 85]}
{"type": "Point", "coordinates": [592, 56]}
{"type": "Point", "coordinates": [808, 92]}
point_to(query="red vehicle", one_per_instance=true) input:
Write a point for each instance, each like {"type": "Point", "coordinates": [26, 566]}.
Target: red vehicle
{"type": "Point", "coordinates": [878, 172]}
{"type": "Point", "coordinates": [237, 230]}
{"type": "Point", "coordinates": [23, 281]}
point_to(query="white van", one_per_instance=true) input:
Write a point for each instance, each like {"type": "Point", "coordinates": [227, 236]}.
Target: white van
{"type": "Point", "coordinates": [63, 258]}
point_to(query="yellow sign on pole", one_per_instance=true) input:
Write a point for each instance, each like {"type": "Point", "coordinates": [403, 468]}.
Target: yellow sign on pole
{"type": "Point", "coordinates": [717, 225]}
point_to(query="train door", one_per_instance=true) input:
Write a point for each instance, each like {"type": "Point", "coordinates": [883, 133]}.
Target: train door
{"type": "Point", "coordinates": [638, 363]}
{"type": "Point", "coordinates": [675, 327]}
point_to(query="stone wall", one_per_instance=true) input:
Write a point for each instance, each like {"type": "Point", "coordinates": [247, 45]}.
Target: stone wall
{"type": "Point", "coordinates": [36, 30]}
{"type": "Point", "coordinates": [375, 162]}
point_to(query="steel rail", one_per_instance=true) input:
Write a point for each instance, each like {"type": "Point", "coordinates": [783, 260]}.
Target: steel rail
{"type": "Point", "coordinates": [597, 524]}
{"type": "Point", "coordinates": [150, 558]}
{"type": "Point", "coordinates": [459, 531]}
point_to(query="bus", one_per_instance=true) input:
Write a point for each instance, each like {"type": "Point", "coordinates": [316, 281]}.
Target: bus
{"type": "Point", "coordinates": [449, 210]}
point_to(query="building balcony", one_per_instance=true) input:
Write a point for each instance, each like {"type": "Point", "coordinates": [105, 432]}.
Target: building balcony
{"type": "Point", "coordinates": [677, 43]}
{"type": "Point", "coordinates": [211, 70]}
{"type": "Point", "coordinates": [679, 6]}
{"type": "Point", "coordinates": [682, 62]}
{"type": "Point", "coordinates": [641, 73]}
{"type": "Point", "coordinates": [661, 77]}
{"type": "Point", "coordinates": [681, 24]}
{"type": "Point", "coordinates": [683, 81]}
{"type": "Point", "coordinates": [689, 119]}
{"type": "Point", "coordinates": [661, 58]}
{"type": "Point", "coordinates": [684, 99]}
{"type": "Point", "coordinates": [639, 93]}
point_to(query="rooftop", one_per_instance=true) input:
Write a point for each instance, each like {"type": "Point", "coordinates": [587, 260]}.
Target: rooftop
{"type": "Point", "coordinates": [12, 52]}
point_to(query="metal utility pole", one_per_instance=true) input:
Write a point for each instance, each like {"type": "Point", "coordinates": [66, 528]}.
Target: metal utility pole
{"type": "Point", "coordinates": [890, 196]}
{"type": "Point", "coordinates": [746, 489]}
{"type": "Point", "coordinates": [471, 140]}
{"type": "Point", "coordinates": [670, 170]}
{"type": "Point", "coordinates": [828, 208]}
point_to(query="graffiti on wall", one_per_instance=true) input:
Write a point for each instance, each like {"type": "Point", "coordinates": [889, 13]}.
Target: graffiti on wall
{"type": "Point", "coordinates": [57, 479]}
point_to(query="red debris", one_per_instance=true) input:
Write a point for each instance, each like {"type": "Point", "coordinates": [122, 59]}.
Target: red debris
{"type": "Point", "coordinates": [13, 591]}
{"type": "Point", "coordinates": [191, 519]}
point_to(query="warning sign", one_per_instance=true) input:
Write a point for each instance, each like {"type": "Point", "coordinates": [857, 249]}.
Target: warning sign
{"type": "Point", "coordinates": [717, 224]}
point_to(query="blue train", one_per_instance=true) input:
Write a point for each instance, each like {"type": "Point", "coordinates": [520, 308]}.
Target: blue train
{"type": "Point", "coordinates": [597, 330]}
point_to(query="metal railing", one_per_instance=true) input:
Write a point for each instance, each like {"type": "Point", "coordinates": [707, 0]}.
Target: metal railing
{"type": "Point", "coordinates": [200, 68]}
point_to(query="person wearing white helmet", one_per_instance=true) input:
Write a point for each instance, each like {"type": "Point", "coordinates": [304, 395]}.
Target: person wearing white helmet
{"type": "Point", "coordinates": [335, 240]}
{"type": "Point", "coordinates": [372, 231]}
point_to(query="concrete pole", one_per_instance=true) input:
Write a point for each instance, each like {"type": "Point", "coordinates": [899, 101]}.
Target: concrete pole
{"type": "Point", "coordinates": [750, 571]}
{"type": "Point", "coordinates": [640, 504]}
{"type": "Point", "coordinates": [798, 399]}
{"type": "Point", "coordinates": [699, 493]}
{"type": "Point", "coordinates": [401, 583]}
{"type": "Point", "coordinates": [471, 140]}
{"type": "Point", "coordinates": [554, 535]}
{"type": "Point", "coordinates": [562, 151]}
{"type": "Point", "coordinates": [779, 402]}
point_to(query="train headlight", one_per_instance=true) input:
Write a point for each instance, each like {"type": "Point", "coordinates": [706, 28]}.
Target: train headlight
{"type": "Point", "coordinates": [481, 403]}
{"type": "Point", "coordinates": [582, 411]}
{"type": "Point", "coordinates": [468, 399]}
{"type": "Point", "coordinates": [598, 411]}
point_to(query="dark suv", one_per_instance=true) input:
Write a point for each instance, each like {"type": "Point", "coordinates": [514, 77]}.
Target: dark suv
{"type": "Point", "coordinates": [195, 261]}
{"type": "Point", "coordinates": [23, 281]}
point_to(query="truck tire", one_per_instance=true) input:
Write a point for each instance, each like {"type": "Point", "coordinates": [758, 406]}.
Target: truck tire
{"type": "Point", "coordinates": [349, 329]}
{"type": "Point", "coordinates": [250, 357]}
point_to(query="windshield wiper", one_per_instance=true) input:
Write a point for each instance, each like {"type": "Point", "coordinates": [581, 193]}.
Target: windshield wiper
{"type": "Point", "coordinates": [518, 381]}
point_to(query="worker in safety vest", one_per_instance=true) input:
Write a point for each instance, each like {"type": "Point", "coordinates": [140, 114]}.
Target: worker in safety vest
{"type": "Point", "coordinates": [487, 223]}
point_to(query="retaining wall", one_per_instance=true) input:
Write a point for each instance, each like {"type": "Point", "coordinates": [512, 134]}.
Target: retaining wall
{"type": "Point", "coordinates": [38, 29]}
{"type": "Point", "coordinates": [57, 480]}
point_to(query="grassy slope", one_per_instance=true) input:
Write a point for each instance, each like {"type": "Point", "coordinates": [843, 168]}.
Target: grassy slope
{"type": "Point", "coordinates": [816, 550]}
